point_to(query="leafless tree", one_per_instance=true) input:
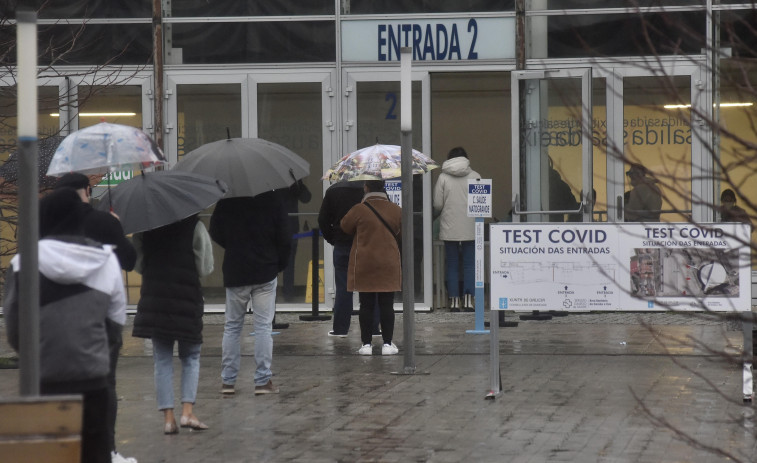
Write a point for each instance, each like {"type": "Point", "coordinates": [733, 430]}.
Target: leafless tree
{"type": "Point", "coordinates": [61, 52]}
{"type": "Point", "coordinates": [730, 147]}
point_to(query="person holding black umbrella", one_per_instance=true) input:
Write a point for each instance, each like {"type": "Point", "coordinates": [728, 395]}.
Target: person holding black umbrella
{"type": "Point", "coordinates": [81, 290]}
{"type": "Point", "coordinates": [255, 236]}
{"type": "Point", "coordinates": [104, 228]}
{"type": "Point", "coordinates": [171, 260]}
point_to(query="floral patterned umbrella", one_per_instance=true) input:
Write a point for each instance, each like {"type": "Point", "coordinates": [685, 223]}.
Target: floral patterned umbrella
{"type": "Point", "coordinates": [377, 162]}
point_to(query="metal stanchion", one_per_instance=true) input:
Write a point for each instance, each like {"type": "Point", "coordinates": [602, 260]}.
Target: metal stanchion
{"type": "Point", "coordinates": [314, 316]}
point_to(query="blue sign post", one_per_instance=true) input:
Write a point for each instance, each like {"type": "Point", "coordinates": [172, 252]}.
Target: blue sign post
{"type": "Point", "coordinates": [479, 206]}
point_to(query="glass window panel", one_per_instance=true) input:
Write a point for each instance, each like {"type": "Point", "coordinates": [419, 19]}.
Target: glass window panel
{"type": "Point", "coordinates": [90, 8]}
{"type": "Point", "coordinates": [195, 8]}
{"type": "Point", "coordinates": [94, 44]}
{"type": "Point", "coordinates": [47, 125]}
{"type": "Point", "coordinates": [123, 105]}
{"type": "Point", "coordinates": [737, 166]}
{"type": "Point", "coordinates": [47, 121]}
{"type": "Point", "coordinates": [484, 132]}
{"type": "Point", "coordinates": [378, 121]}
{"type": "Point", "coordinates": [601, 4]}
{"type": "Point", "coordinates": [620, 35]}
{"type": "Point", "coordinates": [207, 113]}
{"type": "Point", "coordinates": [290, 114]}
{"type": "Point", "coordinates": [425, 6]}
{"type": "Point", "coordinates": [275, 42]}
{"type": "Point", "coordinates": [599, 151]}
{"type": "Point", "coordinates": [659, 138]}
{"type": "Point", "coordinates": [115, 104]}
{"type": "Point", "coordinates": [550, 149]}
{"type": "Point", "coordinates": [737, 32]}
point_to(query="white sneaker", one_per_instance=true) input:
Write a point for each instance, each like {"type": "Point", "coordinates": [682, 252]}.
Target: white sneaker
{"type": "Point", "coordinates": [365, 350]}
{"type": "Point", "coordinates": [118, 458]}
{"type": "Point", "coordinates": [389, 349]}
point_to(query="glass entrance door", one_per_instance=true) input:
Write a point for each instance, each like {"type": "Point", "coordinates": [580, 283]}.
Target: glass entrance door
{"type": "Point", "coordinates": [655, 138]}
{"type": "Point", "coordinates": [572, 138]}
{"type": "Point", "coordinates": [291, 109]}
{"type": "Point", "coordinates": [553, 166]}
{"type": "Point", "coordinates": [371, 114]}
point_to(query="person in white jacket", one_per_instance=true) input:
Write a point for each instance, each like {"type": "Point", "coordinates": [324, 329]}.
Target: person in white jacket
{"type": "Point", "coordinates": [456, 229]}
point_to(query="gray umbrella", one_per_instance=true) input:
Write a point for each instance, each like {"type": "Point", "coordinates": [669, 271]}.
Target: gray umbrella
{"type": "Point", "coordinates": [249, 166]}
{"type": "Point", "coordinates": [46, 149]}
{"type": "Point", "coordinates": [155, 199]}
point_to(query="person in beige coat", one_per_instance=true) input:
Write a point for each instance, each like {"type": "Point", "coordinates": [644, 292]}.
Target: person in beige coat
{"type": "Point", "coordinates": [456, 229]}
{"type": "Point", "coordinates": [375, 268]}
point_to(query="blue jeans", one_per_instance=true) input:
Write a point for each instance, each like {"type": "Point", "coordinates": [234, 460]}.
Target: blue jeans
{"type": "Point", "coordinates": [162, 354]}
{"type": "Point", "coordinates": [342, 297]}
{"type": "Point", "coordinates": [452, 251]}
{"type": "Point", "coordinates": [263, 309]}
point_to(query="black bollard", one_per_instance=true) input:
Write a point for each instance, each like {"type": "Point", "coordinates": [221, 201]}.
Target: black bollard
{"type": "Point", "coordinates": [314, 282]}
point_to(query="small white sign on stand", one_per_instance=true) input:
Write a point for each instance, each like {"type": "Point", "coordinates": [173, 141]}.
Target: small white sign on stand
{"type": "Point", "coordinates": [479, 206]}
{"type": "Point", "coordinates": [394, 191]}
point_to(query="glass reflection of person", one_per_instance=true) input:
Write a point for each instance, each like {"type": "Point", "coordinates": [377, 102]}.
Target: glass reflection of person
{"type": "Point", "coordinates": [644, 200]}
{"type": "Point", "coordinates": [561, 197]}
{"type": "Point", "coordinates": [729, 211]}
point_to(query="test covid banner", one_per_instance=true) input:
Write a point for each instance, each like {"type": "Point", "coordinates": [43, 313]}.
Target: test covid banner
{"type": "Point", "coordinates": [633, 267]}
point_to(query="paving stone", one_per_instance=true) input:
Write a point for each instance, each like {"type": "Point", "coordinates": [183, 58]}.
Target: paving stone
{"type": "Point", "coordinates": [581, 388]}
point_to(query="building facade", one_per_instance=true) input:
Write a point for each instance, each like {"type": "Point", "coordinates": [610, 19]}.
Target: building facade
{"type": "Point", "coordinates": [530, 88]}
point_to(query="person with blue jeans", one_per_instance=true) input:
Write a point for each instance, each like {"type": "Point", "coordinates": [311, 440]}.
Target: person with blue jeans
{"type": "Point", "coordinates": [255, 236]}
{"type": "Point", "coordinates": [456, 229]}
{"type": "Point", "coordinates": [264, 307]}
{"type": "Point", "coordinates": [171, 260]}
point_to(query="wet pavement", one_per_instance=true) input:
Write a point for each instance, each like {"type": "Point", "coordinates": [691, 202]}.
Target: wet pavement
{"type": "Point", "coordinates": [607, 387]}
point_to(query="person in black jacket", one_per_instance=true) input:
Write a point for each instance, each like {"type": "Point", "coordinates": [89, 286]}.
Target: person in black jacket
{"type": "Point", "coordinates": [104, 228]}
{"type": "Point", "coordinates": [100, 226]}
{"type": "Point", "coordinates": [80, 290]}
{"type": "Point", "coordinates": [171, 260]}
{"type": "Point", "coordinates": [339, 199]}
{"type": "Point", "coordinates": [254, 234]}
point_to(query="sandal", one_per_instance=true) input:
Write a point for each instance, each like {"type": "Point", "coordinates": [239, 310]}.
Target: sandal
{"type": "Point", "coordinates": [192, 423]}
{"type": "Point", "coordinates": [170, 428]}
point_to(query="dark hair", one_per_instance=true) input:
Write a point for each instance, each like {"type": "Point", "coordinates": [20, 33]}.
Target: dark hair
{"type": "Point", "coordinates": [637, 168]}
{"type": "Point", "coordinates": [60, 213]}
{"type": "Point", "coordinates": [728, 193]}
{"type": "Point", "coordinates": [457, 152]}
{"type": "Point", "coordinates": [73, 180]}
{"type": "Point", "coordinates": [374, 185]}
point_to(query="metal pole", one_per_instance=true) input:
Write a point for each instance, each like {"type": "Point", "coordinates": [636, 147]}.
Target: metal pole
{"type": "Point", "coordinates": [28, 204]}
{"type": "Point", "coordinates": [157, 59]}
{"type": "Point", "coordinates": [408, 263]}
{"type": "Point", "coordinates": [314, 279]}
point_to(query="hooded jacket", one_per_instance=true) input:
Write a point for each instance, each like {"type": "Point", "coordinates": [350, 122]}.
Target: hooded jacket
{"type": "Point", "coordinates": [80, 286]}
{"type": "Point", "coordinates": [451, 200]}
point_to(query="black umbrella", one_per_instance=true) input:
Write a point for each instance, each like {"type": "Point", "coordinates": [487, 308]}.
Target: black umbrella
{"type": "Point", "coordinates": [46, 148]}
{"type": "Point", "coordinates": [155, 199]}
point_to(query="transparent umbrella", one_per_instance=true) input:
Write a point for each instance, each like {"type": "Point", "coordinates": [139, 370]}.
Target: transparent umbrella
{"type": "Point", "coordinates": [103, 147]}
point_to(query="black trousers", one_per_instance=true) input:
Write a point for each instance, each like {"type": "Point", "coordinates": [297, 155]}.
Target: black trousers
{"type": "Point", "coordinates": [115, 341]}
{"type": "Point", "coordinates": [367, 307]}
{"type": "Point", "coordinates": [94, 431]}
